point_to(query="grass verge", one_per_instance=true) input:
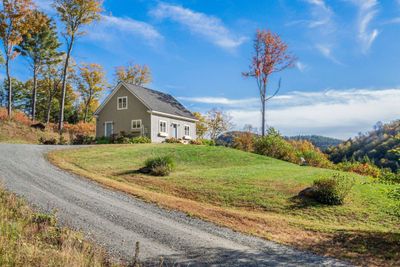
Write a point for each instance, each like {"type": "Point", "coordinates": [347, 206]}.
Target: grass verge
{"type": "Point", "coordinates": [252, 194]}
{"type": "Point", "coordinates": [28, 238]}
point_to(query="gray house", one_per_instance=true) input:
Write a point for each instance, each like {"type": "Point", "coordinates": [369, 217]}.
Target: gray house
{"type": "Point", "coordinates": [144, 112]}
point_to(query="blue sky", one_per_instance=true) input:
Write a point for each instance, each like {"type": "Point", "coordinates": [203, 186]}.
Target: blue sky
{"type": "Point", "coordinates": [346, 79]}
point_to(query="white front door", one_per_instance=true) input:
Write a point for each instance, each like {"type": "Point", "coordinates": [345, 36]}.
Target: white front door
{"type": "Point", "coordinates": [108, 128]}
{"type": "Point", "coordinates": [174, 130]}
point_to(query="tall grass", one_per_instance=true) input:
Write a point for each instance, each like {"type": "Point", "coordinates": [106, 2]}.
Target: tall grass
{"type": "Point", "coordinates": [33, 239]}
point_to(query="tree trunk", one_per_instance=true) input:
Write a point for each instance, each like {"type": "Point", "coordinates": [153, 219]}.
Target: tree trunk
{"type": "Point", "coordinates": [9, 109]}
{"type": "Point", "coordinates": [263, 118]}
{"type": "Point", "coordinates": [64, 86]}
{"type": "Point", "coordinates": [49, 109]}
{"type": "Point", "coordinates": [34, 89]}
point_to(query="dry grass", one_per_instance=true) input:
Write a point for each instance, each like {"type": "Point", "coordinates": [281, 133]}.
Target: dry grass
{"type": "Point", "coordinates": [33, 239]}
{"type": "Point", "coordinates": [327, 231]}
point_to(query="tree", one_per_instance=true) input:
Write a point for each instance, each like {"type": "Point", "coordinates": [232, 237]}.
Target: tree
{"type": "Point", "coordinates": [217, 122]}
{"type": "Point", "coordinates": [74, 14]}
{"type": "Point", "coordinates": [270, 56]}
{"type": "Point", "coordinates": [13, 25]}
{"type": "Point", "coordinates": [133, 74]}
{"type": "Point", "coordinates": [40, 45]}
{"type": "Point", "coordinates": [92, 82]}
{"type": "Point", "coordinates": [201, 125]}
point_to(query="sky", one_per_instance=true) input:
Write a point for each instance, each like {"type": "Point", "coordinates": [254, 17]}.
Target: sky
{"type": "Point", "coordinates": [347, 76]}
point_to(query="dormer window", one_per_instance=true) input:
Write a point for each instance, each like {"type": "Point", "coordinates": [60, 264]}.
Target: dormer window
{"type": "Point", "coordinates": [122, 103]}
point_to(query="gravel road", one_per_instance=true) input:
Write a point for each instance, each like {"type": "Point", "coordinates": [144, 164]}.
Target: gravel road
{"type": "Point", "coordinates": [116, 221]}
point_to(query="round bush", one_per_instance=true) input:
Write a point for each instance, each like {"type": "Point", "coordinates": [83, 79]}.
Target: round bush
{"type": "Point", "coordinates": [160, 166]}
{"type": "Point", "coordinates": [332, 191]}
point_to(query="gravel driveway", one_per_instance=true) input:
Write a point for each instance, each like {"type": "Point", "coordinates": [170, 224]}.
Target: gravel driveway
{"type": "Point", "coordinates": [116, 221]}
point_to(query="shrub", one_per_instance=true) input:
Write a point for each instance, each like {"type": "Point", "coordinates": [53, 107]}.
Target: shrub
{"type": "Point", "coordinates": [311, 155]}
{"type": "Point", "coordinates": [332, 191]}
{"type": "Point", "coordinates": [102, 140]}
{"type": "Point", "coordinates": [50, 141]}
{"type": "Point", "coordinates": [275, 146]}
{"type": "Point", "coordinates": [173, 140]}
{"type": "Point", "coordinates": [244, 141]}
{"type": "Point", "coordinates": [195, 142]}
{"type": "Point", "coordinates": [202, 141]}
{"type": "Point", "coordinates": [83, 140]}
{"type": "Point", "coordinates": [140, 140]}
{"type": "Point", "coordinates": [367, 169]}
{"type": "Point", "coordinates": [387, 176]}
{"type": "Point", "coordinates": [160, 166]}
{"type": "Point", "coordinates": [395, 194]}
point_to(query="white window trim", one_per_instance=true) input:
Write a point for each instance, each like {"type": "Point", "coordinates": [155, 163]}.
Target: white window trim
{"type": "Point", "coordinates": [105, 127]}
{"type": "Point", "coordinates": [184, 129]}
{"type": "Point", "coordinates": [166, 127]}
{"type": "Point", "coordinates": [122, 97]}
{"type": "Point", "coordinates": [136, 121]}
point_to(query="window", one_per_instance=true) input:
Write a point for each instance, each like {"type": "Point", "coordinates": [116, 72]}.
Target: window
{"type": "Point", "coordinates": [187, 130]}
{"type": "Point", "coordinates": [136, 124]}
{"type": "Point", "coordinates": [163, 127]}
{"type": "Point", "coordinates": [122, 103]}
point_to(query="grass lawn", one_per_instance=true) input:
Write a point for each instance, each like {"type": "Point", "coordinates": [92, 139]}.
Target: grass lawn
{"type": "Point", "coordinates": [253, 194]}
{"type": "Point", "coordinates": [33, 239]}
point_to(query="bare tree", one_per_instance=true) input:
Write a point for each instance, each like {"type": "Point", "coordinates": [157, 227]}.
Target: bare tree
{"type": "Point", "coordinates": [218, 122]}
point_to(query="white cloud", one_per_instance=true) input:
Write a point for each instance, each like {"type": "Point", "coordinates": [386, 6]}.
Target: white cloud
{"type": "Point", "coordinates": [367, 11]}
{"type": "Point", "coordinates": [111, 28]}
{"type": "Point", "coordinates": [44, 5]}
{"type": "Point", "coordinates": [326, 51]}
{"type": "Point", "coordinates": [301, 66]}
{"type": "Point", "coordinates": [209, 27]}
{"type": "Point", "coordinates": [221, 101]}
{"type": "Point", "coordinates": [322, 14]}
{"type": "Point", "coordinates": [336, 113]}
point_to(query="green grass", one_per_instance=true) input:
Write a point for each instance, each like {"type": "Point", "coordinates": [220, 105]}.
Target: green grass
{"type": "Point", "coordinates": [232, 179]}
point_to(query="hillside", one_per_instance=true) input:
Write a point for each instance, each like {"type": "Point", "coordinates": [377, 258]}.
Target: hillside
{"type": "Point", "coordinates": [250, 193]}
{"type": "Point", "coordinates": [381, 146]}
{"type": "Point", "coordinates": [322, 142]}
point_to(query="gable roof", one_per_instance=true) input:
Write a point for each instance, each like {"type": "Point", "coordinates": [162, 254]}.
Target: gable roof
{"type": "Point", "coordinates": [154, 100]}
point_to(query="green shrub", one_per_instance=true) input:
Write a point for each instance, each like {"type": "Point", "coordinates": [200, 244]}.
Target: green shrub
{"type": "Point", "coordinates": [140, 140]}
{"type": "Point", "coordinates": [83, 140]}
{"type": "Point", "coordinates": [395, 194]}
{"type": "Point", "coordinates": [50, 141]}
{"type": "Point", "coordinates": [160, 166]}
{"type": "Point", "coordinates": [173, 140]}
{"type": "Point", "coordinates": [332, 191]}
{"type": "Point", "coordinates": [102, 140]}
{"type": "Point", "coordinates": [368, 169]}
{"type": "Point", "coordinates": [275, 146]}
{"type": "Point", "coordinates": [387, 176]}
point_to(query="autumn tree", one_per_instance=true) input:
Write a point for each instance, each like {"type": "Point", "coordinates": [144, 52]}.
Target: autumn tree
{"type": "Point", "coordinates": [270, 56]}
{"type": "Point", "coordinates": [74, 14]}
{"type": "Point", "coordinates": [39, 45]}
{"type": "Point", "coordinates": [14, 24]}
{"type": "Point", "coordinates": [90, 86]}
{"type": "Point", "coordinates": [201, 125]}
{"type": "Point", "coordinates": [133, 74]}
{"type": "Point", "coordinates": [218, 122]}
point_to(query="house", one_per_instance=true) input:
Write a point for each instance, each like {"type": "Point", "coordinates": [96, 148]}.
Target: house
{"type": "Point", "coordinates": [141, 111]}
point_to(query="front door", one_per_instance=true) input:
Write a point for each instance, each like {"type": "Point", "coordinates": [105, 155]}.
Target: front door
{"type": "Point", "coordinates": [174, 130]}
{"type": "Point", "coordinates": [108, 129]}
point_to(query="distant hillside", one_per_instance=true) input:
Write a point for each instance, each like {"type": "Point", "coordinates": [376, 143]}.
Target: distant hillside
{"type": "Point", "coordinates": [322, 142]}
{"type": "Point", "coordinates": [381, 146]}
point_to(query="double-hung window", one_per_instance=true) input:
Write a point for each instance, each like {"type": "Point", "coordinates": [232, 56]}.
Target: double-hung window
{"type": "Point", "coordinates": [187, 130]}
{"type": "Point", "coordinates": [122, 103]}
{"type": "Point", "coordinates": [163, 127]}
{"type": "Point", "coordinates": [136, 124]}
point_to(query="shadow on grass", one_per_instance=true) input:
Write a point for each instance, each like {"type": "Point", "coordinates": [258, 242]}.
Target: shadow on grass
{"type": "Point", "coordinates": [301, 202]}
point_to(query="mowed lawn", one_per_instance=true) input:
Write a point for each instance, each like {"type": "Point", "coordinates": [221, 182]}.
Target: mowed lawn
{"type": "Point", "coordinates": [253, 194]}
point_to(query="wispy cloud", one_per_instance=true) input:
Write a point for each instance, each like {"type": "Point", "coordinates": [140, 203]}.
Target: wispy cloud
{"type": "Point", "coordinates": [206, 26]}
{"type": "Point", "coordinates": [367, 11]}
{"type": "Point", "coordinates": [337, 113]}
{"type": "Point", "coordinates": [326, 51]}
{"type": "Point", "coordinates": [322, 14]}
{"type": "Point", "coordinates": [302, 67]}
{"type": "Point", "coordinates": [222, 101]}
{"type": "Point", "coordinates": [44, 5]}
{"type": "Point", "coordinates": [111, 28]}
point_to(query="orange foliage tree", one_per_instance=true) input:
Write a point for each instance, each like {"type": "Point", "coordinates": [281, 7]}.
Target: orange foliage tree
{"type": "Point", "coordinates": [14, 17]}
{"type": "Point", "coordinates": [270, 56]}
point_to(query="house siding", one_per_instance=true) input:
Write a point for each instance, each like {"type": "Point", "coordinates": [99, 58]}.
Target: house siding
{"type": "Point", "coordinates": [155, 119]}
{"type": "Point", "coordinates": [122, 118]}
